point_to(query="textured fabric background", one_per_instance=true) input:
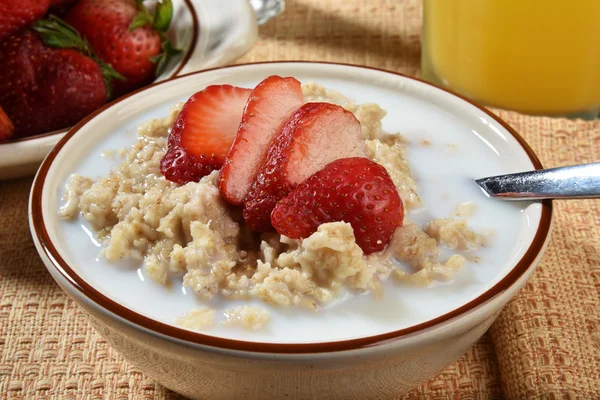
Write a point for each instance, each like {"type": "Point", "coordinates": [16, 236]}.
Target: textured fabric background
{"type": "Point", "coordinates": [546, 343]}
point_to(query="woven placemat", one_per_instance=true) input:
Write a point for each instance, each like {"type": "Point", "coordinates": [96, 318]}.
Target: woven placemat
{"type": "Point", "coordinates": [548, 338]}
{"type": "Point", "coordinates": [546, 344]}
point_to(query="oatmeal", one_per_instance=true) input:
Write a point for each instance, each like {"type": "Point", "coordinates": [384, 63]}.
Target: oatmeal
{"type": "Point", "coordinates": [189, 232]}
{"type": "Point", "coordinates": [437, 271]}
{"type": "Point", "coordinates": [247, 317]}
{"type": "Point", "coordinates": [414, 247]}
{"type": "Point", "coordinates": [197, 319]}
{"type": "Point", "coordinates": [110, 154]}
{"type": "Point", "coordinates": [451, 148]}
{"type": "Point", "coordinates": [390, 152]}
{"type": "Point", "coordinates": [454, 234]}
{"type": "Point", "coordinates": [76, 186]}
{"type": "Point", "coordinates": [465, 210]}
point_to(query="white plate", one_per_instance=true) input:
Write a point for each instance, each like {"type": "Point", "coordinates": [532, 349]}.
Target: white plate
{"type": "Point", "coordinates": [210, 33]}
{"type": "Point", "coordinates": [483, 145]}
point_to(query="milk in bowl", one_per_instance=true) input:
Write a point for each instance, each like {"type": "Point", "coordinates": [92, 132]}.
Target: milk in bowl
{"type": "Point", "coordinates": [183, 253]}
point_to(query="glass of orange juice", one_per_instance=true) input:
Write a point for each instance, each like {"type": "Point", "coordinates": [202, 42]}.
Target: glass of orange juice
{"type": "Point", "coordinates": [533, 56]}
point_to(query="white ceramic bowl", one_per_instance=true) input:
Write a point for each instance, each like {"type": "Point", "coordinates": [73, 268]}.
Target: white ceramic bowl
{"type": "Point", "coordinates": [356, 366]}
{"type": "Point", "coordinates": [210, 34]}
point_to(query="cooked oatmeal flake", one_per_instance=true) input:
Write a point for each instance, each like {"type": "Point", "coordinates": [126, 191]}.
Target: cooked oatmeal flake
{"type": "Point", "coordinates": [198, 319]}
{"type": "Point", "coordinates": [247, 317]}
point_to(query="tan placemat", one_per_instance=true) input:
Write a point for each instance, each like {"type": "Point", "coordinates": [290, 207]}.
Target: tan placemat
{"type": "Point", "coordinates": [546, 344]}
{"type": "Point", "coordinates": [548, 338]}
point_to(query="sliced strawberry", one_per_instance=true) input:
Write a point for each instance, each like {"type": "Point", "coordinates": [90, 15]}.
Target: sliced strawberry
{"type": "Point", "coordinates": [203, 132]}
{"type": "Point", "coordinates": [353, 190]}
{"type": "Point", "coordinates": [271, 103]}
{"type": "Point", "coordinates": [6, 126]}
{"type": "Point", "coordinates": [315, 135]}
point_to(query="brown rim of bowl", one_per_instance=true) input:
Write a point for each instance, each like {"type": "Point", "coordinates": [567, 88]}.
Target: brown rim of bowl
{"type": "Point", "coordinates": [260, 347]}
{"type": "Point", "coordinates": [184, 60]}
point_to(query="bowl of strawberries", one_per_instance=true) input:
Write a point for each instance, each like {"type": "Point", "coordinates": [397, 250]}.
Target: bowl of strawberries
{"type": "Point", "coordinates": [60, 60]}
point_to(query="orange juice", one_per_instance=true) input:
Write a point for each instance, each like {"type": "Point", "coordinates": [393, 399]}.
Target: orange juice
{"type": "Point", "coordinates": [533, 56]}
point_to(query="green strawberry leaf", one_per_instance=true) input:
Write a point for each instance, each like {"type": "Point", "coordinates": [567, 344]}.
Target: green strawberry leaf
{"type": "Point", "coordinates": [109, 74]}
{"type": "Point", "coordinates": [163, 59]}
{"type": "Point", "coordinates": [56, 33]}
{"type": "Point", "coordinates": [142, 18]}
{"type": "Point", "coordinates": [163, 15]}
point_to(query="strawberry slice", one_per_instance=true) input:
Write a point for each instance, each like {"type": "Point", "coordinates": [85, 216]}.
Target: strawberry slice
{"type": "Point", "coordinates": [271, 103]}
{"type": "Point", "coordinates": [6, 126]}
{"type": "Point", "coordinates": [315, 135]}
{"type": "Point", "coordinates": [203, 132]}
{"type": "Point", "coordinates": [353, 190]}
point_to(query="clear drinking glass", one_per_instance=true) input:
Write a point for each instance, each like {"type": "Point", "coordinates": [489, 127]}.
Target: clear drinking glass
{"type": "Point", "coordinates": [267, 9]}
{"type": "Point", "coordinates": [533, 56]}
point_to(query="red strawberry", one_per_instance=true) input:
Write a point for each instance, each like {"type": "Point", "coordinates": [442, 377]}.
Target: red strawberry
{"type": "Point", "coordinates": [61, 8]}
{"type": "Point", "coordinates": [44, 88]}
{"type": "Point", "coordinates": [353, 190]}
{"type": "Point", "coordinates": [6, 126]}
{"type": "Point", "coordinates": [271, 103]}
{"type": "Point", "coordinates": [61, 2]}
{"type": "Point", "coordinates": [17, 14]}
{"type": "Point", "coordinates": [315, 135]}
{"type": "Point", "coordinates": [127, 36]}
{"type": "Point", "coordinates": [203, 133]}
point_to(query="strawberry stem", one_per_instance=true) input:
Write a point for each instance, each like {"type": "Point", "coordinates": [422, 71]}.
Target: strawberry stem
{"type": "Point", "coordinates": [163, 15]}
{"type": "Point", "coordinates": [56, 33]}
{"type": "Point", "coordinates": [142, 18]}
{"type": "Point", "coordinates": [160, 21]}
{"type": "Point", "coordinates": [163, 59]}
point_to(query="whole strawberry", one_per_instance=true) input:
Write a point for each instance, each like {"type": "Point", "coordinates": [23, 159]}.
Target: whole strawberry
{"type": "Point", "coordinates": [17, 14]}
{"type": "Point", "coordinates": [127, 36]}
{"type": "Point", "coordinates": [48, 83]}
{"type": "Point", "coordinates": [61, 8]}
{"type": "Point", "coordinates": [6, 126]}
{"type": "Point", "coordinates": [354, 190]}
{"type": "Point", "coordinates": [54, 3]}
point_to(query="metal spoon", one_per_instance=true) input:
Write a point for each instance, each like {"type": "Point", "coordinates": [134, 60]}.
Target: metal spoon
{"type": "Point", "coordinates": [574, 182]}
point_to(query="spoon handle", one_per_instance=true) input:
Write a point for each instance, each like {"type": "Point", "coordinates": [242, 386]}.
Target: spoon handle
{"type": "Point", "coordinates": [574, 182]}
